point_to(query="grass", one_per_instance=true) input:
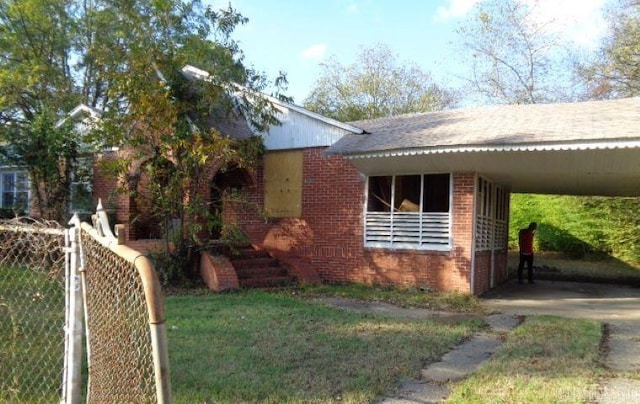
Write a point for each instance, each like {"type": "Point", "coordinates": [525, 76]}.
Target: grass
{"type": "Point", "coordinates": [289, 347]}
{"type": "Point", "coordinates": [278, 348]}
{"type": "Point", "coordinates": [403, 297]}
{"type": "Point", "coordinates": [547, 359]}
{"type": "Point", "coordinates": [555, 266]}
{"type": "Point", "coordinates": [31, 335]}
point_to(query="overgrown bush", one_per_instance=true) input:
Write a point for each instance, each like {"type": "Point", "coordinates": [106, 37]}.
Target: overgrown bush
{"type": "Point", "coordinates": [579, 227]}
{"type": "Point", "coordinates": [175, 269]}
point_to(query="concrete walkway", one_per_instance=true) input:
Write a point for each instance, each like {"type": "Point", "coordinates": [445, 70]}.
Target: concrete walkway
{"type": "Point", "coordinates": [455, 365]}
{"type": "Point", "coordinates": [614, 305]}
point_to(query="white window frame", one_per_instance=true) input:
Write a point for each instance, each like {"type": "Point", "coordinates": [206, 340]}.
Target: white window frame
{"type": "Point", "coordinates": [408, 230]}
{"type": "Point", "coordinates": [85, 182]}
{"type": "Point", "coordinates": [15, 171]}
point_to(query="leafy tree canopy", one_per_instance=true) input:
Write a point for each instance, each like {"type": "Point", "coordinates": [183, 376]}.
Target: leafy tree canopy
{"type": "Point", "coordinates": [514, 56]}
{"type": "Point", "coordinates": [615, 72]}
{"type": "Point", "coordinates": [123, 58]}
{"type": "Point", "coordinates": [375, 86]}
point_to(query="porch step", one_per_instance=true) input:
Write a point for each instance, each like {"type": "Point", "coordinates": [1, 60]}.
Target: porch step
{"type": "Point", "coordinates": [266, 262]}
{"type": "Point", "coordinates": [257, 269]}
{"type": "Point", "coordinates": [260, 272]}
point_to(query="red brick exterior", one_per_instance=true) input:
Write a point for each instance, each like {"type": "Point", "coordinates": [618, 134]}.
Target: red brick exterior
{"type": "Point", "coordinates": [482, 275]}
{"type": "Point", "coordinates": [105, 187]}
{"type": "Point", "coordinates": [218, 272]}
{"type": "Point", "coordinates": [329, 235]}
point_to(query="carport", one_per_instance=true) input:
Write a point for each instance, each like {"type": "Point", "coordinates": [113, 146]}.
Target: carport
{"type": "Point", "coordinates": [586, 148]}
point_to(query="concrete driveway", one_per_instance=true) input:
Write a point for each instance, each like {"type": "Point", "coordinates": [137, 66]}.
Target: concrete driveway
{"type": "Point", "coordinates": [567, 299]}
{"type": "Point", "coordinates": [615, 305]}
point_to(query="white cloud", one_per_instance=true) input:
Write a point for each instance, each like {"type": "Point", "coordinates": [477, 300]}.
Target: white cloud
{"type": "Point", "coordinates": [454, 9]}
{"type": "Point", "coordinates": [315, 52]}
{"type": "Point", "coordinates": [579, 21]}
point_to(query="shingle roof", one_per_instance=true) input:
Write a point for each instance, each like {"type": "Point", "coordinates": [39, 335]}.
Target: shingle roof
{"type": "Point", "coordinates": [504, 125]}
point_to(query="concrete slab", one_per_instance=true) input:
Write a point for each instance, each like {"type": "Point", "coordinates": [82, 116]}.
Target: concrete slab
{"type": "Point", "coordinates": [615, 305]}
{"type": "Point", "coordinates": [463, 359]}
{"type": "Point", "coordinates": [616, 391]}
{"type": "Point", "coordinates": [418, 392]}
{"type": "Point", "coordinates": [624, 346]}
{"type": "Point", "coordinates": [567, 299]}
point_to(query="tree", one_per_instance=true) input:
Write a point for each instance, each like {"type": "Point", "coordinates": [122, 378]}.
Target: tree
{"type": "Point", "coordinates": [375, 86]}
{"type": "Point", "coordinates": [35, 47]}
{"type": "Point", "coordinates": [514, 56]}
{"type": "Point", "coordinates": [124, 58]}
{"type": "Point", "coordinates": [36, 86]}
{"type": "Point", "coordinates": [166, 118]}
{"type": "Point", "coordinates": [615, 73]}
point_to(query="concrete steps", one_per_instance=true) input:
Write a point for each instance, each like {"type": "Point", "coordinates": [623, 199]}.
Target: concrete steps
{"type": "Point", "coordinates": [257, 269]}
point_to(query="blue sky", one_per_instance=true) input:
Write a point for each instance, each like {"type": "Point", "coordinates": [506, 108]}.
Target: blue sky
{"type": "Point", "coordinates": [296, 36]}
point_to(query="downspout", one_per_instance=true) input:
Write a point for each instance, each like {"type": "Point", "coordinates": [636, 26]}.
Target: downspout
{"type": "Point", "coordinates": [474, 223]}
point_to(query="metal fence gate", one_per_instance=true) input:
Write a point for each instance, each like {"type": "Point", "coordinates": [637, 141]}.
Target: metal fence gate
{"type": "Point", "coordinates": [62, 290]}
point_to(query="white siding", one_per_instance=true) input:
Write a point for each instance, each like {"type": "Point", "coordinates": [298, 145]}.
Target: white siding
{"type": "Point", "coordinates": [298, 131]}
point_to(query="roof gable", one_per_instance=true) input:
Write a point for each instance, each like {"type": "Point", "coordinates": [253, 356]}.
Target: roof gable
{"type": "Point", "coordinates": [299, 127]}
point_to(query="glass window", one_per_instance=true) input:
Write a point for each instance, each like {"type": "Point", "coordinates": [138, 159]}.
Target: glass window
{"type": "Point", "coordinates": [437, 193]}
{"type": "Point", "coordinates": [81, 186]}
{"type": "Point", "coordinates": [408, 211]}
{"type": "Point", "coordinates": [15, 190]}
{"type": "Point", "coordinates": [379, 194]}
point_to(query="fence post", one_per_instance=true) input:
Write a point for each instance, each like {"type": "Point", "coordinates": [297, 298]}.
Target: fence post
{"type": "Point", "coordinates": [72, 380]}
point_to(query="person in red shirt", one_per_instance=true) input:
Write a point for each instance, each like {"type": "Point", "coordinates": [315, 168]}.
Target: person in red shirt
{"type": "Point", "coordinates": [525, 242]}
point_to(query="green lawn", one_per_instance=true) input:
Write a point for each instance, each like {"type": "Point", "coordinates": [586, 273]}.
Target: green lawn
{"type": "Point", "coordinates": [288, 346]}
{"type": "Point", "coordinates": [31, 335]}
{"type": "Point", "coordinates": [546, 360]}
{"type": "Point", "coordinates": [278, 347]}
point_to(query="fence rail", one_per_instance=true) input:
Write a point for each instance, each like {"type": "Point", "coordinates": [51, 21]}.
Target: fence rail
{"type": "Point", "coordinates": [126, 333]}
{"type": "Point", "coordinates": [57, 284]}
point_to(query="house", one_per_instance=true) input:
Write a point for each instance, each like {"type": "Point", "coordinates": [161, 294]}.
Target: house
{"type": "Point", "coordinates": [419, 200]}
{"type": "Point", "coordinates": [422, 200]}
{"type": "Point", "coordinates": [16, 190]}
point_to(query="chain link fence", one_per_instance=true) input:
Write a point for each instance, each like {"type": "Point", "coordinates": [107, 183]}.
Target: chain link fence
{"type": "Point", "coordinates": [124, 310]}
{"type": "Point", "coordinates": [32, 310]}
{"type": "Point", "coordinates": [50, 278]}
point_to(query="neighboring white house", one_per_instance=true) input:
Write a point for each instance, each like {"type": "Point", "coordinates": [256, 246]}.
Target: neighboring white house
{"type": "Point", "coordinates": [15, 186]}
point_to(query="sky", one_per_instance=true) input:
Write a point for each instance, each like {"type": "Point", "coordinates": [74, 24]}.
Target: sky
{"type": "Point", "coordinates": [295, 36]}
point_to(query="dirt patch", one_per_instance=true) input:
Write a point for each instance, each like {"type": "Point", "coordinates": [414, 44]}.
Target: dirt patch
{"type": "Point", "coordinates": [604, 342]}
{"type": "Point", "coordinates": [390, 310]}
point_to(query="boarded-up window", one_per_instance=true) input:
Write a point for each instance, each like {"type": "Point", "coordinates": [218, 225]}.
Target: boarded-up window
{"type": "Point", "coordinates": [283, 183]}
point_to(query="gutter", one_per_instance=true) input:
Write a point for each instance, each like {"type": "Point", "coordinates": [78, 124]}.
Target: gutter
{"type": "Point", "coordinates": [594, 145]}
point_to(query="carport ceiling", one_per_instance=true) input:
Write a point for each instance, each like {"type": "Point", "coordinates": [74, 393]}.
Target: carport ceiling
{"type": "Point", "coordinates": [589, 148]}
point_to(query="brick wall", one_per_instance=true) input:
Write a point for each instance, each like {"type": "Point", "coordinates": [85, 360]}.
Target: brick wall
{"type": "Point", "coordinates": [105, 187]}
{"type": "Point", "coordinates": [482, 275]}
{"type": "Point", "coordinates": [483, 263]}
{"type": "Point", "coordinates": [329, 235]}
